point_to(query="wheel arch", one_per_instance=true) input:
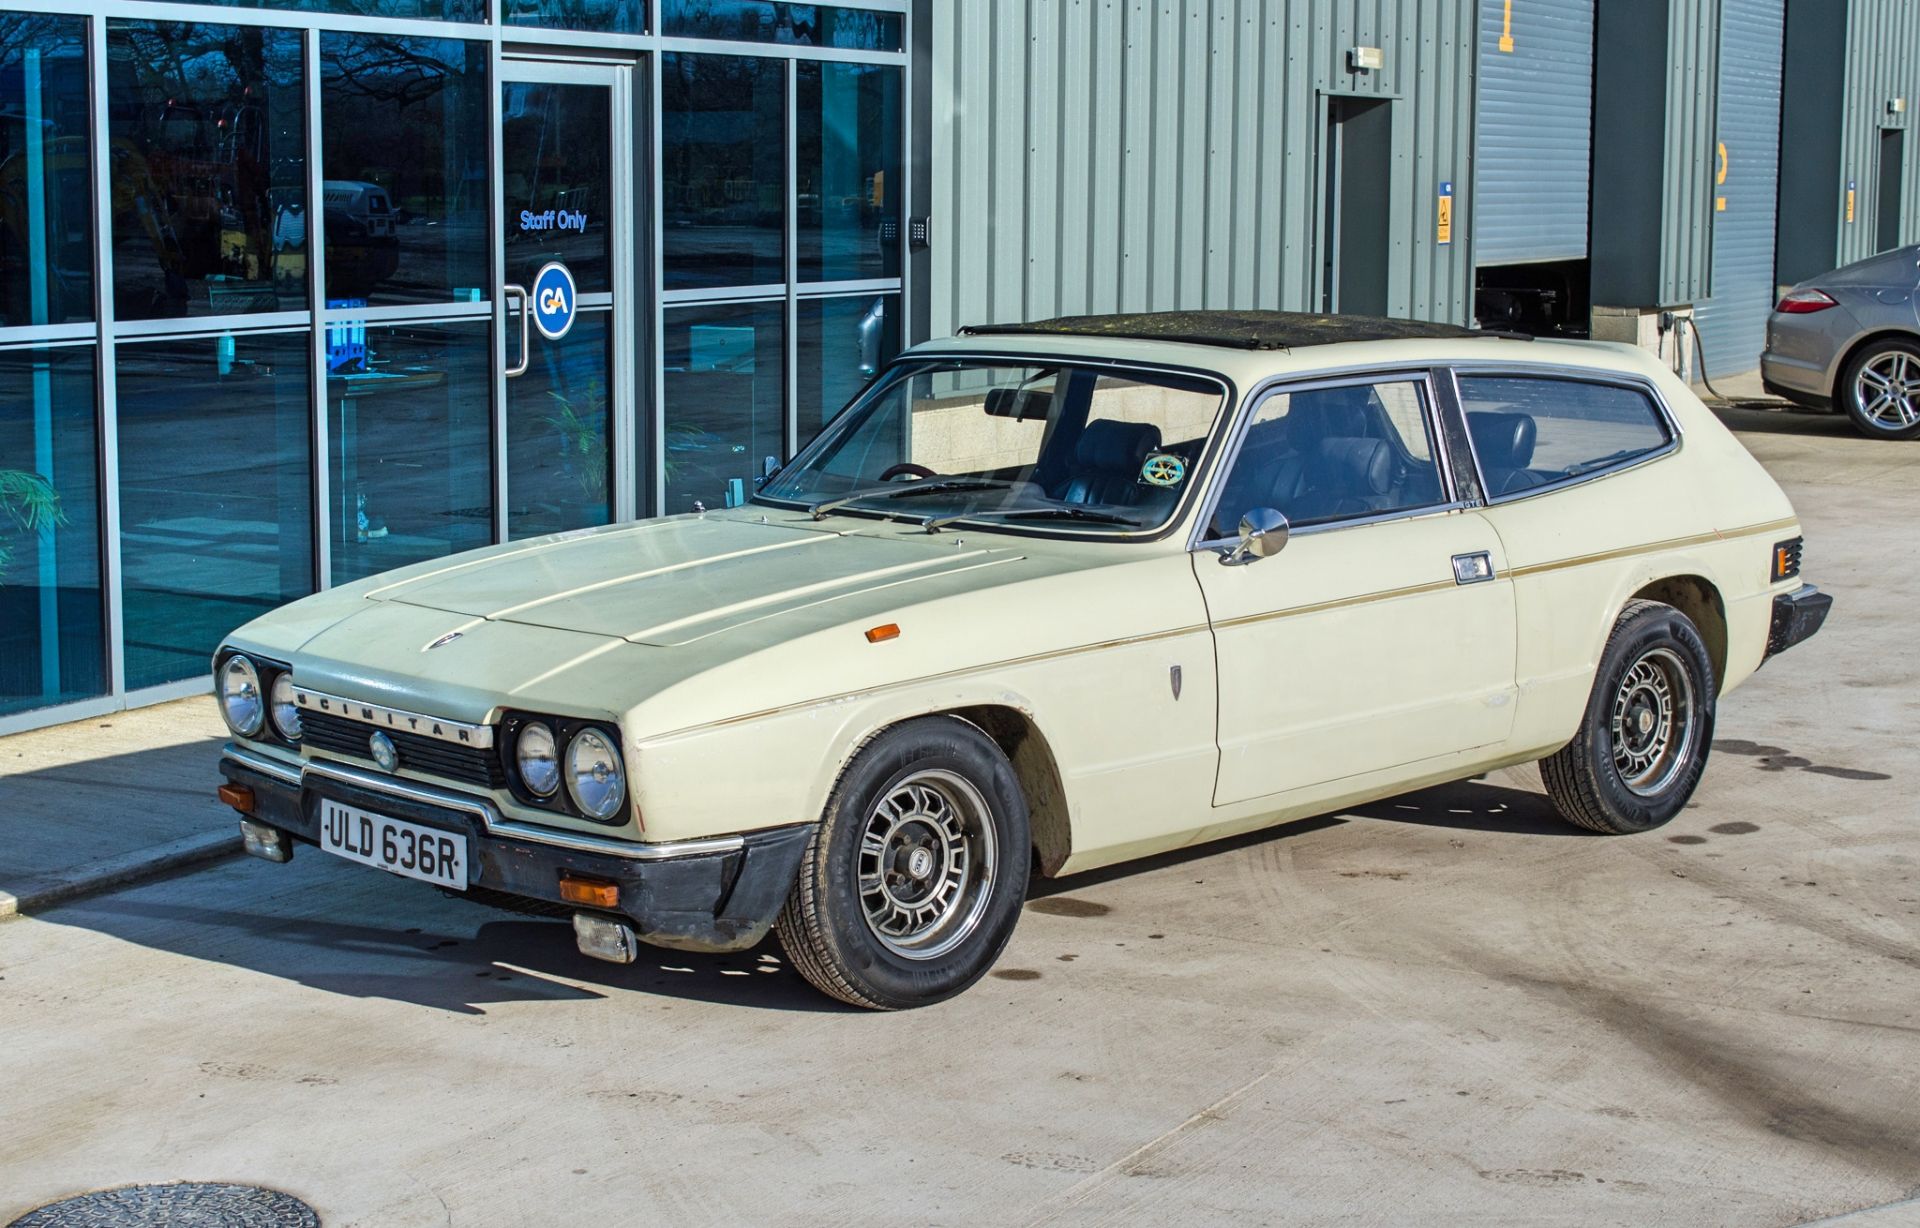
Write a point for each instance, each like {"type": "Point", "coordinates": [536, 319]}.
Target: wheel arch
{"type": "Point", "coordinates": [1700, 600]}
{"type": "Point", "coordinates": [1853, 350]}
{"type": "Point", "coordinates": [1034, 766]}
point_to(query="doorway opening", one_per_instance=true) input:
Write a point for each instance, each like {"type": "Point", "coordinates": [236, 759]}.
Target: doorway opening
{"type": "Point", "coordinates": [1893, 165]}
{"type": "Point", "coordinates": [1358, 161]}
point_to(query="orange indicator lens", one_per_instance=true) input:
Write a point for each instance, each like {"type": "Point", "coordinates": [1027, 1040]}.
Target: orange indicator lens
{"type": "Point", "coordinates": [890, 631]}
{"type": "Point", "coordinates": [592, 892]}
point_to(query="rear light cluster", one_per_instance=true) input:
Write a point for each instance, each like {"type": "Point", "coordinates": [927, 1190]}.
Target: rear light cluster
{"type": "Point", "coordinates": [1805, 302]}
{"type": "Point", "coordinates": [1786, 559]}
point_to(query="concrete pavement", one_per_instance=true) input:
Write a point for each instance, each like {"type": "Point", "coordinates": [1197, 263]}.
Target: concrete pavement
{"type": "Point", "coordinates": [1445, 1008]}
{"type": "Point", "coordinates": [97, 803]}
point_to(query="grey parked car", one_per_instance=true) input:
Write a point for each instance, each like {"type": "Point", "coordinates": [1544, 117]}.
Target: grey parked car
{"type": "Point", "coordinates": [1851, 340]}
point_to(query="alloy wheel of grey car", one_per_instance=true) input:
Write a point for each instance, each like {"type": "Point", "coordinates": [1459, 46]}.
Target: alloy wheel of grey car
{"type": "Point", "coordinates": [1881, 390]}
{"type": "Point", "coordinates": [911, 885]}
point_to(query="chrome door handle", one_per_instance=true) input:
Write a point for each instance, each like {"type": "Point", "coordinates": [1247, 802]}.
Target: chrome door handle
{"type": "Point", "coordinates": [526, 353]}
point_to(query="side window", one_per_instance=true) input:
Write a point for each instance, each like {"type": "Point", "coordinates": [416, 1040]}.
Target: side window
{"type": "Point", "coordinates": [1326, 454]}
{"type": "Point", "coordinates": [1531, 430]}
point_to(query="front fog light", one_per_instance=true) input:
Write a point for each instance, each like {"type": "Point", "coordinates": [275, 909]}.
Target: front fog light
{"type": "Point", "coordinates": [594, 777]}
{"type": "Point", "coordinates": [240, 699]}
{"type": "Point", "coordinates": [538, 760]}
{"type": "Point", "coordinates": [282, 710]}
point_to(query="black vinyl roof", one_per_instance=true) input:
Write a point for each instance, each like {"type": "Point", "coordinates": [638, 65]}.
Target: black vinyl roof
{"type": "Point", "coordinates": [1241, 330]}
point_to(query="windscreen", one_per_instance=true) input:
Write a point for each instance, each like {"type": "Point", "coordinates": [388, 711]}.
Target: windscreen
{"type": "Point", "coordinates": [1047, 446]}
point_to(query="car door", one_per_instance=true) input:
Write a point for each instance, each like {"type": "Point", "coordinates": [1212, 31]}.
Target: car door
{"type": "Point", "coordinates": [1381, 637]}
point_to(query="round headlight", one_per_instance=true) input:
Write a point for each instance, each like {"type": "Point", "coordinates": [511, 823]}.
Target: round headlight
{"type": "Point", "coordinates": [594, 777]}
{"type": "Point", "coordinates": [538, 760]}
{"type": "Point", "coordinates": [240, 699]}
{"type": "Point", "coordinates": [281, 710]}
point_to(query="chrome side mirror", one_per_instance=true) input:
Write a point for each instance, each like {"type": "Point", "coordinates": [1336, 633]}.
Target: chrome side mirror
{"type": "Point", "coordinates": [1263, 533]}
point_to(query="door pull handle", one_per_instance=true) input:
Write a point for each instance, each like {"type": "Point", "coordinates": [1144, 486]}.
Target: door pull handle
{"type": "Point", "coordinates": [526, 314]}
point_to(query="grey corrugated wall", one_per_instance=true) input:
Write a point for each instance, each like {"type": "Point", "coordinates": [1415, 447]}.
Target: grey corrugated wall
{"type": "Point", "coordinates": [1134, 155]}
{"type": "Point", "coordinates": [1534, 139]}
{"type": "Point", "coordinates": [1693, 59]}
{"type": "Point", "coordinates": [1733, 323]}
{"type": "Point", "coordinates": [1883, 62]}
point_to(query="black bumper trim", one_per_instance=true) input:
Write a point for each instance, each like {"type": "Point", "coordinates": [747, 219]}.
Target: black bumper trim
{"type": "Point", "coordinates": [712, 901]}
{"type": "Point", "coordinates": [1796, 616]}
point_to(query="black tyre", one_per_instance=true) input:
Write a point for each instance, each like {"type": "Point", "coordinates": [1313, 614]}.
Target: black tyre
{"type": "Point", "coordinates": [1880, 390]}
{"type": "Point", "coordinates": [1643, 741]}
{"type": "Point", "coordinates": [911, 885]}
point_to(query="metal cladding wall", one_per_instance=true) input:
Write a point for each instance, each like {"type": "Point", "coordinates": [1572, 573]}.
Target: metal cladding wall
{"type": "Point", "coordinates": [1136, 155]}
{"type": "Point", "coordinates": [1733, 323]}
{"type": "Point", "coordinates": [1656, 83]}
{"type": "Point", "coordinates": [1534, 140]}
{"type": "Point", "coordinates": [1883, 63]}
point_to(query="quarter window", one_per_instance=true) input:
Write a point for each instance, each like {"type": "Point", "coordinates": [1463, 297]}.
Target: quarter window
{"type": "Point", "coordinates": [1529, 431]}
{"type": "Point", "coordinates": [1327, 454]}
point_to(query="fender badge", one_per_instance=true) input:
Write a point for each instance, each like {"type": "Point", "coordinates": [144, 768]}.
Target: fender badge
{"type": "Point", "coordinates": [1163, 469]}
{"type": "Point", "coordinates": [448, 638]}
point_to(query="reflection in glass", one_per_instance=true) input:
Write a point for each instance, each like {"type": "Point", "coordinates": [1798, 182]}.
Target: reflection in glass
{"type": "Point", "coordinates": [556, 151]}
{"type": "Point", "coordinates": [215, 493]}
{"type": "Point", "coordinates": [767, 21]}
{"type": "Point", "coordinates": [601, 16]}
{"type": "Point", "coordinates": [841, 345]}
{"type": "Point", "coordinates": [724, 412]}
{"type": "Point", "coordinates": [848, 155]}
{"type": "Point", "coordinates": [404, 123]}
{"type": "Point", "coordinates": [209, 169]}
{"type": "Point", "coordinates": [410, 460]}
{"type": "Point", "coordinates": [46, 209]}
{"type": "Point", "coordinates": [723, 170]}
{"type": "Point", "coordinates": [428, 10]}
{"type": "Point", "coordinates": [557, 458]}
{"type": "Point", "coordinates": [51, 637]}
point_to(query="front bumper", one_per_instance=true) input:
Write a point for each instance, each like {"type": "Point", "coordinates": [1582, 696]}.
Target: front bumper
{"type": "Point", "coordinates": [697, 895]}
{"type": "Point", "coordinates": [1796, 616]}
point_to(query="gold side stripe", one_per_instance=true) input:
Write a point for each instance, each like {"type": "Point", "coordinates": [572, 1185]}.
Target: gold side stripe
{"type": "Point", "coordinates": [1319, 607]}
{"type": "Point", "coordinates": [1674, 543]}
{"type": "Point", "coordinates": [1010, 663]}
{"type": "Point", "coordinates": [1410, 590]}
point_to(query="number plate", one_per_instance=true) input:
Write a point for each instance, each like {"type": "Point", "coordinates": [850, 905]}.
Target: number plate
{"type": "Point", "coordinates": [426, 853]}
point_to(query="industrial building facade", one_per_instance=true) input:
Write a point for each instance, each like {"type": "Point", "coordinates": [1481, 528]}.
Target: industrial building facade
{"type": "Point", "coordinates": [266, 268]}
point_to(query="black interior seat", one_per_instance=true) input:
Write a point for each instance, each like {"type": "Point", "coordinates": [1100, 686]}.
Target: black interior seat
{"type": "Point", "coordinates": [1107, 462]}
{"type": "Point", "coordinates": [1347, 475]}
{"type": "Point", "coordinates": [1504, 443]}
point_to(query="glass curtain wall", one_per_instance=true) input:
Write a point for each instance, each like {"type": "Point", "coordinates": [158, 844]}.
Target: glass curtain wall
{"type": "Point", "coordinates": [781, 190]}
{"type": "Point", "coordinates": [247, 296]}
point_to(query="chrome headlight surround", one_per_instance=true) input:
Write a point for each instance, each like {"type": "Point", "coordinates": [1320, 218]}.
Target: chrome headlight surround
{"type": "Point", "coordinates": [282, 712]}
{"type": "Point", "coordinates": [596, 777]}
{"type": "Point", "coordinates": [243, 702]}
{"type": "Point", "coordinates": [536, 758]}
{"type": "Point", "coordinates": [596, 791]}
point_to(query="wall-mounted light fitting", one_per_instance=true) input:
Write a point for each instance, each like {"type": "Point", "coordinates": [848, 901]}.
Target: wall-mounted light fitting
{"type": "Point", "coordinates": [1366, 59]}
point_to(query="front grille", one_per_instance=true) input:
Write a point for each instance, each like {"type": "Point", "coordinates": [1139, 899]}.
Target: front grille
{"type": "Point", "coordinates": [336, 735]}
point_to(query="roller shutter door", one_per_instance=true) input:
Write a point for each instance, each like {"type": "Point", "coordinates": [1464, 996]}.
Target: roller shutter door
{"type": "Point", "coordinates": [1533, 139]}
{"type": "Point", "coordinates": [1733, 323]}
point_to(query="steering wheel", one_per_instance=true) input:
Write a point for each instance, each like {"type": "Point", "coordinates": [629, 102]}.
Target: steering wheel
{"type": "Point", "coordinates": [905, 469]}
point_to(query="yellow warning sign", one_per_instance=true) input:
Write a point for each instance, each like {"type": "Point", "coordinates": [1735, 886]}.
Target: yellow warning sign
{"type": "Point", "coordinates": [1443, 220]}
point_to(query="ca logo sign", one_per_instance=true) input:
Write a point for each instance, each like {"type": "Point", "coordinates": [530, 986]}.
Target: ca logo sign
{"type": "Point", "coordinates": [553, 300]}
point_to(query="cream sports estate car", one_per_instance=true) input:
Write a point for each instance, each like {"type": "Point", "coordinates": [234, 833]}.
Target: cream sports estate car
{"type": "Point", "coordinates": [1042, 598]}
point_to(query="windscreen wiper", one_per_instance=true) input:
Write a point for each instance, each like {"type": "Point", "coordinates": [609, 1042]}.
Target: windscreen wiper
{"type": "Point", "coordinates": [1031, 513]}
{"type": "Point", "coordinates": [909, 490]}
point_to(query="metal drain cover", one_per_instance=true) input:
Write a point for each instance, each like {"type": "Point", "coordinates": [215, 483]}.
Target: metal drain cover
{"type": "Point", "coordinates": [190, 1204]}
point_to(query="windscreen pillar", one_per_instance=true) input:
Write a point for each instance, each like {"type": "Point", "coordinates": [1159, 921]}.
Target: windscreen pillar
{"type": "Point", "coordinates": [1655, 98]}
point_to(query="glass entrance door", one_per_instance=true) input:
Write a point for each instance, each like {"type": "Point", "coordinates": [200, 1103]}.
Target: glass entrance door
{"type": "Point", "coordinates": [566, 187]}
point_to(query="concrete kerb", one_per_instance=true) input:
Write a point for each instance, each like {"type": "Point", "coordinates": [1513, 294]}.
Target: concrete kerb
{"type": "Point", "coordinates": [127, 869]}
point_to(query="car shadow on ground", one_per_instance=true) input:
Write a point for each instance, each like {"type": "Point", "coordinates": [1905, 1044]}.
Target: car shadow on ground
{"type": "Point", "coordinates": [1790, 420]}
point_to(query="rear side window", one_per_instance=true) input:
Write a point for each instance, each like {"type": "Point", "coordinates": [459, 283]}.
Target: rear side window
{"type": "Point", "coordinates": [1531, 430]}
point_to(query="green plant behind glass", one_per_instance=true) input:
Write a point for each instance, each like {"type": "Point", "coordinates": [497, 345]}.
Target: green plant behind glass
{"type": "Point", "coordinates": [582, 444]}
{"type": "Point", "coordinates": [31, 502]}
